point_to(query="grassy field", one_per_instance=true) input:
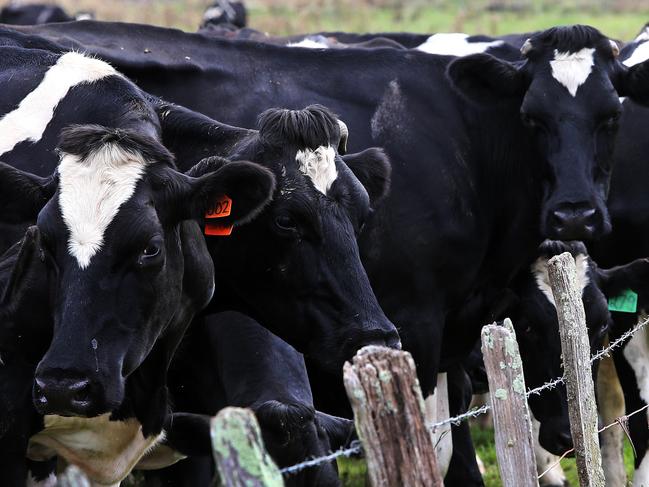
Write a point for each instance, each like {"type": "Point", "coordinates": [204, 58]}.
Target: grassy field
{"type": "Point", "coordinates": [620, 19]}
{"type": "Point", "coordinates": [353, 471]}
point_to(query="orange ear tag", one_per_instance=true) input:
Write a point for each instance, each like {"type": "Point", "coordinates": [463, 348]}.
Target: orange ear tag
{"type": "Point", "coordinates": [221, 208]}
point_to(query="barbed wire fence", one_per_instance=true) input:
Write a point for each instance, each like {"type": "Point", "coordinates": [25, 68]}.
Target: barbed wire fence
{"type": "Point", "coordinates": [478, 411]}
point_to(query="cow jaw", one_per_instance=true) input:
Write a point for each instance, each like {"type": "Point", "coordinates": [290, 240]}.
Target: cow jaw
{"type": "Point", "coordinates": [105, 450]}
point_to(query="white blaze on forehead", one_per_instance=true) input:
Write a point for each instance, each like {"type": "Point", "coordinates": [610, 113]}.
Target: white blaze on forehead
{"type": "Point", "coordinates": [319, 165]}
{"type": "Point", "coordinates": [540, 273]}
{"type": "Point", "coordinates": [455, 44]}
{"type": "Point", "coordinates": [572, 69]}
{"type": "Point", "coordinates": [91, 192]}
{"type": "Point", "coordinates": [309, 44]}
{"type": "Point", "coordinates": [30, 119]}
{"type": "Point", "coordinates": [213, 13]}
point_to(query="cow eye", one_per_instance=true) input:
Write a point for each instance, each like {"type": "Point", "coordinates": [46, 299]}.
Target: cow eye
{"type": "Point", "coordinates": [286, 223]}
{"type": "Point", "coordinates": [612, 121]}
{"type": "Point", "coordinates": [152, 252]}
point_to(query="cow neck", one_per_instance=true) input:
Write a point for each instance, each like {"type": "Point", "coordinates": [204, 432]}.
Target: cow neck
{"type": "Point", "coordinates": [192, 136]}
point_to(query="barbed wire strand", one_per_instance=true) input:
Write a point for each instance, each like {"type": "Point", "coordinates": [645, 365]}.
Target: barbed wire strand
{"type": "Point", "coordinates": [347, 452]}
{"type": "Point", "coordinates": [617, 422]}
{"type": "Point", "coordinates": [604, 352]}
{"type": "Point", "coordinates": [473, 413]}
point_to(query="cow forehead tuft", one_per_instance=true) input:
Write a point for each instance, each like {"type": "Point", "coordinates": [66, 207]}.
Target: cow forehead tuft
{"type": "Point", "coordinates": [91, 191]}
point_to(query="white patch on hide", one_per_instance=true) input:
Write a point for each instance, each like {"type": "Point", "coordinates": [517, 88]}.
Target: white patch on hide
{"type": "Point", "coordinates": [105, 450]}
{"type": "Point", "coordinates": [572, 69]}
{"type": "Point", "coordinates": [319, 165]}
{"type": "Point", "coordinates": [455, 44]}
{"type": "Point", "coordinates": [36, 110]}
{"type": "Point", "coordinates": [308, 44]}
{"type": "Point", "coordinates": [540, 273]}
{"type": "Point", "coordinates": [91, 192]}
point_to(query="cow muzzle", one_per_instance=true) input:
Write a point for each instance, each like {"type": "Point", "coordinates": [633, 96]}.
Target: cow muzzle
{"type": "Point", "coordinates": [68, 395]}
{"type": "Point", "coordinates": [575, 222]}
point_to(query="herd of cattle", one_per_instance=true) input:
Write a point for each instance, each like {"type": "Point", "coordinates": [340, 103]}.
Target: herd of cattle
{"type": "Point", "coordinates": [173, 242]}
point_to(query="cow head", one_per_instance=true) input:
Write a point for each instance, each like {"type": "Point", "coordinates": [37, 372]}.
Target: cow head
{"type": "Point", "coordinates": [537, 329]}
{"type": "Point", "coordinates": [127, 266]}
{"type": "Point", "coordinates": [567, 90]}
{"type": "Point", "coordinates": [296, 268]}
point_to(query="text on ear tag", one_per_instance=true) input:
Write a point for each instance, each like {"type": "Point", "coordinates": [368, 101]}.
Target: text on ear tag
{"type": "Point", "coordinates": [221, 208]}
{"type": "Point", "coordinates": [627, 302]}
{"type": "Point", "coordinates": [218, 230]}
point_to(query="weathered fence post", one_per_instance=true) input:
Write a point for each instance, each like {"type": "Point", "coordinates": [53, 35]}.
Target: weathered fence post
{"type": "Point", "coordinates": [239, 453]}
{"type": "Point", "coordinates": [512, 421]}
{"type": "Point", "coordinates": [73, 477]}
{"type": "Point", "coordinates": [388, 409]}
{"type": "Point", "coordinates": [575, 348]}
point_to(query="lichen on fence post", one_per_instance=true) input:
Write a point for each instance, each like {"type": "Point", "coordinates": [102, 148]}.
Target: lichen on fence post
{"type": "Point", "coordinates": [239, 453]}
{"type": "Point", "coordinates": [575, 348]}
{"type": "Point", "coordinates": [388, 409]}
{"type": "Point", "coordinates": [73, 477]}
{"type": "Point", "coordinates": [512, 421]}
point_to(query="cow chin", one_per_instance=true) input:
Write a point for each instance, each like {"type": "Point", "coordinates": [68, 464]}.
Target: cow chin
{"type": "Point", "coordinates": [554, 435]}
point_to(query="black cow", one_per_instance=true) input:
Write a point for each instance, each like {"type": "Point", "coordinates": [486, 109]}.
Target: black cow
{"type": "Point", "coordinates": [251, 368]}
{"type": "Point", "coordinates": [478, 180]}
{"type": "Point", "coordinates": [127, 267]}
{"type": "Point", "coordinates": [228, 12]}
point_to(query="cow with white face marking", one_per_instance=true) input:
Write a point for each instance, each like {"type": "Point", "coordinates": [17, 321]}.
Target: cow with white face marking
{"type": "Point", "coordinates": [126, 264]}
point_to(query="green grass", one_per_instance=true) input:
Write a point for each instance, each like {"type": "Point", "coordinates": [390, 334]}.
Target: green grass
{"type": "Point", "coordinates": [353, 471]}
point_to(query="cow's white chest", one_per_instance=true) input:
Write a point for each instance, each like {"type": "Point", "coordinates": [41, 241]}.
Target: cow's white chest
{"type": "Point", "coordinates": [540, 273]}
{"type": "Point", "coordinates": [455, 44]}
{"type": "Point", "coordinates": [29, 121]}
{"type": "Point", "coordinates": [105, 450]}
{"type": "Point", "coordinates": [571, 69]}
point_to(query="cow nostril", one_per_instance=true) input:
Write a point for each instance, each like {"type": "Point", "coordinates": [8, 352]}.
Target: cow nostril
{"type": "Point", "coordinates": [80, 391]}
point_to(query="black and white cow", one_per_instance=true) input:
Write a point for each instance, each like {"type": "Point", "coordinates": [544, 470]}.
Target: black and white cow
{"type": "Point", "coordinates": [127, 266]}
{"type": "Point", "coordinates": [252, 368]}
{"type": "Point", "coordinates": [480, 178]}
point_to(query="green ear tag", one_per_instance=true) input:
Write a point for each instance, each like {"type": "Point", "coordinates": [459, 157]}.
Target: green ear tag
{"type": "Point", "coordinates": [627, 302]}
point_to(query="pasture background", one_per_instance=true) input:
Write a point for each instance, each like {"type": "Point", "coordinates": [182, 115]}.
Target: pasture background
{"type": "Point", "coordinates": [620, 19]}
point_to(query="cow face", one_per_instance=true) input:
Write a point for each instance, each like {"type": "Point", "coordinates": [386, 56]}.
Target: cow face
{"type": "Point", "coordinates": [127, 265]}
{"type": "Point", "coordinates": [567, 91]}
{"type": "Point", "coordinates": [537, 329]}
{"type": "Point", "coordinates": [297, 269]}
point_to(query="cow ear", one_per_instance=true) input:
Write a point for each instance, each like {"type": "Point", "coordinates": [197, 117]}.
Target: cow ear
{"type": "Point", "coordinates": [373, 169]}
{"type": "Point", "coordinates": [22, 194]}
{"type": "Point", "coordinates": [634, 276]}
{"type": "Point", "coordinates": [485, 80]}
{"type": "Point", "coordinates": [340, 431]}
{"type": "Point", "coordinates": [633, 82]}
{"type": "Point", "coordinates": [20, 259]}
{"type": "Point", "coordinates": [248, 186]}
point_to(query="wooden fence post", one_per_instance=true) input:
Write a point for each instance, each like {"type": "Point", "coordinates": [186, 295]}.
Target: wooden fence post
{"type": "Point", "coordinates": [512, 422]}
{"type": "Point", "coordinates": [73, 477]}
{"type": "Point", "coordinates": [239, 453]}
{"type": "Point", "coordinates": [388, 409]}
{"type": "Point", "coordinates": [575, 348]}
